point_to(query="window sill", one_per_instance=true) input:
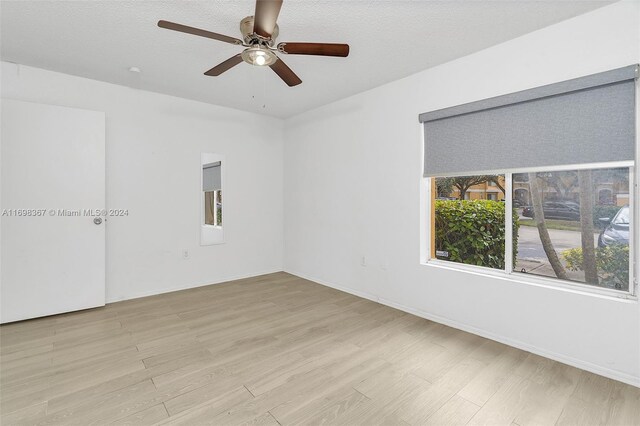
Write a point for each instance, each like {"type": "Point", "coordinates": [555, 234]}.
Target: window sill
{"type": "Point", "coordinates": [519, 278]}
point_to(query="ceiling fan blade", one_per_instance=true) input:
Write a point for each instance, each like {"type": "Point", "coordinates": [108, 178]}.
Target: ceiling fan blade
{"type": "Point", "coordinates": [224, 66]}
{"type": "Point", "coordinates": [321, 49]}
{"type": "Point", "coordinates": [265, 17]}
{"type": "Point", "coordinates": [285, 73]}
{"type": "Point", "coordinates": [197, 31]}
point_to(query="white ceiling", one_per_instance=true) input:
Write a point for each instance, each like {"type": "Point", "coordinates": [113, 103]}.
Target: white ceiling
{"type": "Point", "coordinates": [389, 40]}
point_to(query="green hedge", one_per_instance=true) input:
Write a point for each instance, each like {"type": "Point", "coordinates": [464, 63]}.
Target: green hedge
{"type": "Point", "coordinates": [612, 263]}
{"type": "Point", "coordinates": [473, 232]}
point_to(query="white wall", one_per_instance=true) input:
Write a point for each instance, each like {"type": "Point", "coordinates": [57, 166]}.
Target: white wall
{"type": "Point", "coordinates": [353, 187]}
{"type": "Point", "coordinates": [153, 147]}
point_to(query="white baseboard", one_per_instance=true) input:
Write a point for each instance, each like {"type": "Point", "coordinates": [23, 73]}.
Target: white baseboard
{"type": "Point", "coordinates": [574, 362]}
{"type": "Point", "coordinates": [188, 286]}
{"type": "Point", "coordinates": [363, 294]}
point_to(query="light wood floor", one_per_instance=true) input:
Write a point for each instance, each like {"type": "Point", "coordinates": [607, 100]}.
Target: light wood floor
{"type": "Point", "coordinates": [278, 349]}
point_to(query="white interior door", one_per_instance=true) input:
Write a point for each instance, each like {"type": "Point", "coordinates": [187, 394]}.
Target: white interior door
{"type": "Point", "coordinates": [53, 173]}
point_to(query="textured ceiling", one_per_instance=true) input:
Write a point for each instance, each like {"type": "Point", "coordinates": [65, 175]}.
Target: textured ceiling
{"type": "Point", "coordinates": [389, 40]}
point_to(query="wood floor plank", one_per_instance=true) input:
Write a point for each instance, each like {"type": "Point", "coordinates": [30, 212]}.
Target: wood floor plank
{"type": "Point", "coordinates": [96, 392]}
{"type": "Point", "coordinates": [200, 396]}
{"type": "Point", "coordinates": [418, 411]}
{"type": "Point", "coordinates": [405, 392]}
{"type": "Point", "coordinates": [20, 357]}
{"type": "Point", "coordinates": [281, 375]}
{"type": "Point", "coordinates": [150, 416]}
{"type": "Point", "coordinates": [456, 411]}
{"type": "Point", "coordinates": [28, 415]}
{"type": "Point", "coordinates": [327, 410]}
{"type": "Point", "coordinates": [23, 395]}
{"type": "Point", "coordinates": [74, 383]}
{"type": "Point", "coordinates": [547, 395]}
{"type": "Point", "coordinates": [625, 405]}
{"type": "Point", "coordinates": [485, 384]}
{"type": "Point", "coordinates": [110, 407]}
{"type": "Point", "coordinates": [208, 412]}
{"type": "Point", "coordinates": [264, 420]}
{"type": "Point", "coordinates": [503, 407]}
{"type": "Point", "coordinates": [176, 353]}
{"type": "Point", "coordinates": [598, 400]}
{"type": "Point", "coordinates": [280, 350]}
{"type": "Point", "coordinates": [334, 378]}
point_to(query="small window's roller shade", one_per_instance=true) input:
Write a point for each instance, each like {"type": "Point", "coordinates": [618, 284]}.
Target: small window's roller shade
{"type": "Point", "coordinates": [211, 177]}
{"type": "Point", "coordinates": [585, 120]}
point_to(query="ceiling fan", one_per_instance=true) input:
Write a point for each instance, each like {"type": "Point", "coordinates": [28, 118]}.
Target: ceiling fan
{"type": "Point", "coordinates": [259, 33]}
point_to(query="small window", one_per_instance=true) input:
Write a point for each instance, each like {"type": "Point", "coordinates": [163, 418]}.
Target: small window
{"type": "Point", "coordinates": [212, 167]}
{"type": "Point", "coordinates": [212, 187]}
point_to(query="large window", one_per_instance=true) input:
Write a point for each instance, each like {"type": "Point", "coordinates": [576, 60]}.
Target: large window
{"type": "Point", "coordinates": [572, 226]}
{"type": "Point", "coordinates": [558, 207]}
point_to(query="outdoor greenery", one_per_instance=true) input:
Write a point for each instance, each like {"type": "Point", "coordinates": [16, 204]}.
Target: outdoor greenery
{"type": "Point", "coordinates": [612, 263]}
{"type": "Point", "coordinates": [473, 232]}
{"type": "Point", "coordinates": [445, 185]}
{"type": "Point", "coordinates": [219, 208]}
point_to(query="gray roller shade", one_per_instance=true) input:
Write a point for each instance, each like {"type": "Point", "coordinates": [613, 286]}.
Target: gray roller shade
{"type": "Point", "coordinates": [585, 120]}
{"type": "Point", "coordinates": [211, 177]}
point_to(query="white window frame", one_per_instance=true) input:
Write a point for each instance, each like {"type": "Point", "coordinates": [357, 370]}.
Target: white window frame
{"type": "Point", "coordinates": [508, 273]}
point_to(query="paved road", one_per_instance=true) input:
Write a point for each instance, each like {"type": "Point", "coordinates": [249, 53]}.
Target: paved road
{"type": "Point", "coordinates": [530, 247]}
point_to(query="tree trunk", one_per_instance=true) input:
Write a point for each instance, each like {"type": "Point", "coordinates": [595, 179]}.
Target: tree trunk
{"type": "Point", "coordinates": [561, 194]}
{"type": "Point", "coordinates": [462, 190]}
{"type": "Point", "coordinates": [585, 183]}
{"type": "Point", "coordinates": [547, 245]}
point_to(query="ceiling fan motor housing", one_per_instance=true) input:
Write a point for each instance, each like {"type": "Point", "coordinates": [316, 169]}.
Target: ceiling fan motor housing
{"type": "Point", "coordinates": [249, 37]}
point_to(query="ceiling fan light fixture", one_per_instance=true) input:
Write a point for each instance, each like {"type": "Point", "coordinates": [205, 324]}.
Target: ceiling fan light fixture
{"type": "Point", "coordinates": [259, 56]}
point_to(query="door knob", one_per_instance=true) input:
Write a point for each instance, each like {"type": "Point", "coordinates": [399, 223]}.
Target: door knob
{"type": "Point", "coordinates": [97, 220]}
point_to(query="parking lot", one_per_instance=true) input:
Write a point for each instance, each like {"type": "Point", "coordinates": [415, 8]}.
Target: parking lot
{"type": "Point", "coordinates": [530, 247]}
